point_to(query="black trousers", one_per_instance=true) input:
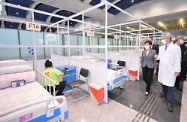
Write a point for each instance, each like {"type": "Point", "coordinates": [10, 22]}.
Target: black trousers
{"type": "Point", "coordinates": [58, 88]}
{"type": "Point", "coordinates": [148, 77]}
{"type": "Point", "coordinates": [183, 70]}
{"type": "Point", "coordinates": [182, 74]}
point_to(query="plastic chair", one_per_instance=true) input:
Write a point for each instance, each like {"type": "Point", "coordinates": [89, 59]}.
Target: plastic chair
{"type": "Point", "coordinates": [75, 84]}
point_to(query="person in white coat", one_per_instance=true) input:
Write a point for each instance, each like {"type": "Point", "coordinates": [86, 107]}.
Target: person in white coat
{"type": "Point", "coordinates": [177, 42]}
{"type": "Point", "coordinates": [169, 68]}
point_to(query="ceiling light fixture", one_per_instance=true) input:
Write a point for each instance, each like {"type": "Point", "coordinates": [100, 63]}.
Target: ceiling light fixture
{"type": "Point", "coordinates": [128, 27]}
{"type": "Point", "coordinates": [17, 13]}
{"type": "Point", "coordinates": [182, 22]}
{"type": "Point", "coordinates": [132, 1]}
{"type": "Point", "coordinates": [143, 26]}
{"type": "Point", "coordinates": [162, 25]}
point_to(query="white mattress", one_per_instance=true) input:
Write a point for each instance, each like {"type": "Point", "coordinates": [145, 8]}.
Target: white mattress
{"type": "Point", "coordinates": [111, 75]}
{"type": "Point", "coordinates": [14, 62]}
{"type": "Point", "coordinates": [5, 80]}
{"type": "Point", "coordinates": [12, 98]}
{"type": "Point", "coordinates": [15, 69]}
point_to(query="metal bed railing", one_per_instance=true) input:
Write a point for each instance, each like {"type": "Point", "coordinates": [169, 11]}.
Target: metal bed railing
{"type": "Point", "coordinates": [38, 102]}
{"type": "Point", "coordinates": [42, 79]}
{"type": "Point", "coordinates": [118, 74]}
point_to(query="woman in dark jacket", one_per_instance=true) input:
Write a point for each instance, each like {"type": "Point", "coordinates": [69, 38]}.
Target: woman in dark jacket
{"type": "Point", "coordinates": [148, 64]}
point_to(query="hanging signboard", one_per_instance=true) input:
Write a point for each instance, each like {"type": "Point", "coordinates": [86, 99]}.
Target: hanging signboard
{"type": "Point", "coordinates": [33, 26]}
{"type": "Point", "coordinates": [116, 36]}
{"type": "Point", "coordinates": [90, 33]}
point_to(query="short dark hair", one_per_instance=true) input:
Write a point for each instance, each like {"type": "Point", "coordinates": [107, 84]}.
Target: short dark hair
{"type": "Point", "coordinates": [149, 42]}
{"type": "Point", "coordinates": [48, 64]}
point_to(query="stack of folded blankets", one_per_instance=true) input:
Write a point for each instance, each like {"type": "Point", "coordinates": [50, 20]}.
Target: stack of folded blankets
{"type": "Point", "coordinates": [14, 70]}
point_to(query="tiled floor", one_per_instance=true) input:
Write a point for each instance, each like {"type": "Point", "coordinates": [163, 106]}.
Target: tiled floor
{"type": "Point", "coordinates": [183, 117]}
{"type": "Point", "coordinates": [87, 110]}
{"type": "Point", "coordinates": [129, 106]}
{"type": "Point", "coordinates": [152, 106]}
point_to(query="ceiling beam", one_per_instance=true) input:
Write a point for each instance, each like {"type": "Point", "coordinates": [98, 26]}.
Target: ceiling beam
{"type": "Point", "coordinates": [114, 2]}
{"type": "Point", "coordinates": [29, 14]}
{"type": "Point", "coordinates": [3, 13]}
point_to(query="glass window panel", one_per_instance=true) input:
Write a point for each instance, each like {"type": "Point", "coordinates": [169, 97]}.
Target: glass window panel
{"type": "Point", "coordinates": [26, 38]}
{"type": "Point", "coordinates": [9, 53]}
{"type": "Point", "coordinates": [7, 39]}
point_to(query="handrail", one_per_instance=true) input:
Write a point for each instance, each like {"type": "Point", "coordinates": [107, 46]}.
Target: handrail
{"type": "Point", "coordinates": [43, 77]}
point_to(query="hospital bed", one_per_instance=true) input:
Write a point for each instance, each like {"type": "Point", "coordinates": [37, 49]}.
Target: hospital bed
{"type": "Point", "coordinates": [30, 102]}
{"type": "Point", "coordinates": [116, 78]}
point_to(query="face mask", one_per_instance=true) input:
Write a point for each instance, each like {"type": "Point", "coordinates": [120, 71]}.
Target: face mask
{"type": "Point", "coordinates": [163, 41]}
{"type": "Point", "coordinates": [181, 41]}
{"type": "Point", "coordinates": [146, 47]}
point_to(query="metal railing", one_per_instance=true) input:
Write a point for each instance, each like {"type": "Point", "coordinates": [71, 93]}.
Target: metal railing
{"type": "Point", "coordinates": [42, 79]}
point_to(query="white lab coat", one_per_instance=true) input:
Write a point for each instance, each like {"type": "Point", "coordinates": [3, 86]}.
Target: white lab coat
{"type": "Point", "coordinates": [170, 62]}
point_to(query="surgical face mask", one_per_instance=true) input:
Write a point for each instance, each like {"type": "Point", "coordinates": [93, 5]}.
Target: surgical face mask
{"type": "Point", "coordinates": [181, 41]}
{"type": "Point", "coordinates": [146, 47]}
{"type": "Point", "coordinates": [163, 41]}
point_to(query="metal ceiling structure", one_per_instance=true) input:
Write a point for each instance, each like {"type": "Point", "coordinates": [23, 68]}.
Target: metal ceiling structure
{"type": "Point", "coordinates": [171, 25]}
{"type": "Point", "coordinates": [18, 13]}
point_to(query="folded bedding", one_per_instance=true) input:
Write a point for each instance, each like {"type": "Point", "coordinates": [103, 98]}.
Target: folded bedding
{"type": "Point", "coordinates": [5, 63]}
{"type": "Point", "coordinates": [15, 69]}
{"type": "Point", "coordinates": [5, 80]}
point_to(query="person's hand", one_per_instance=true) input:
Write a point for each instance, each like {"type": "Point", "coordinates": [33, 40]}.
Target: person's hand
{"type": "Point", "coordinates": [154, 71]}
{"type": "Point", "coordinates": [157, 63]}
{"type": "Point", "coordinates": [177, 74]}
{"type": "Point", "coordinates": [140, 69]}
{"type": "Point", "coordinates": [156, 56]}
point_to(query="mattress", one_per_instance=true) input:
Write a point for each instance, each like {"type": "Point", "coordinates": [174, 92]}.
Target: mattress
{"type": "Point", "coordinates": [15, 69]}
{"type": "Point", "coordinates": [114, 76]}
{"type": "Point", "coordinates": [12, 62]}
{"type": "Point", "coordinates": [111, 75]}
{"type": "Point", "coordinates": [5, 80]}
{"type": "Point", "coordinates": [12, 98]}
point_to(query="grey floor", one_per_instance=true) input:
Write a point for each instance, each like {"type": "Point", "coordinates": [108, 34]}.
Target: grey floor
{"type": "Point", "coordinates": [151, 106]}
{"type": "Point", "coordinates": [88, 110]}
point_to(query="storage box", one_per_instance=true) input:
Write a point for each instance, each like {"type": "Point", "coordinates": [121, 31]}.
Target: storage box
{"type": "Point", "coordinates": [132, 78]}
{"type": "Point", "coordinates": [97, 91]}
{"type": "Point", "coordinates": [70, 74]}
{"type": "Point", "coordinates": [133, 72]}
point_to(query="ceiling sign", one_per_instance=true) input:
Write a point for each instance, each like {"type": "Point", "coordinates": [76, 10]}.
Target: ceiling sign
{"type": "Point", "coordinates": [90, 33]}
{"type": "Point", "coordinates": [33, 26]}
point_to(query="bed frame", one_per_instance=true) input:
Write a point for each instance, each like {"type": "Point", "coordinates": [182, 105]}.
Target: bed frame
{"type": "Point", "coordinates": [118, 79]}
{"type": "Point", "coordinates": [55, 108]}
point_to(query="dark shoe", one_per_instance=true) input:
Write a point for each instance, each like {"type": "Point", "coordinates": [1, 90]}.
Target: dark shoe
{"type": "Point", "coordinates": [58, 94]}
{"type": "Point", "coordinates": [178, 88]}
{"type": "Point", "coordinates": [170, 107]}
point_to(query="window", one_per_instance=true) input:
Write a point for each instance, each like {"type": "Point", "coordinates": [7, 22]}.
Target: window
{"type": "Point", "coordinates": [26, 38]}
{"type": "Point", "coordinates": [9, 37]}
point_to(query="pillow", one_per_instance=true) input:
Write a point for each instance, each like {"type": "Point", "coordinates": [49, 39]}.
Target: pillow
{"type": "Point", "coordinates": [15, 69]}
{"type": "Point", "coordinates": [5, 80]}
